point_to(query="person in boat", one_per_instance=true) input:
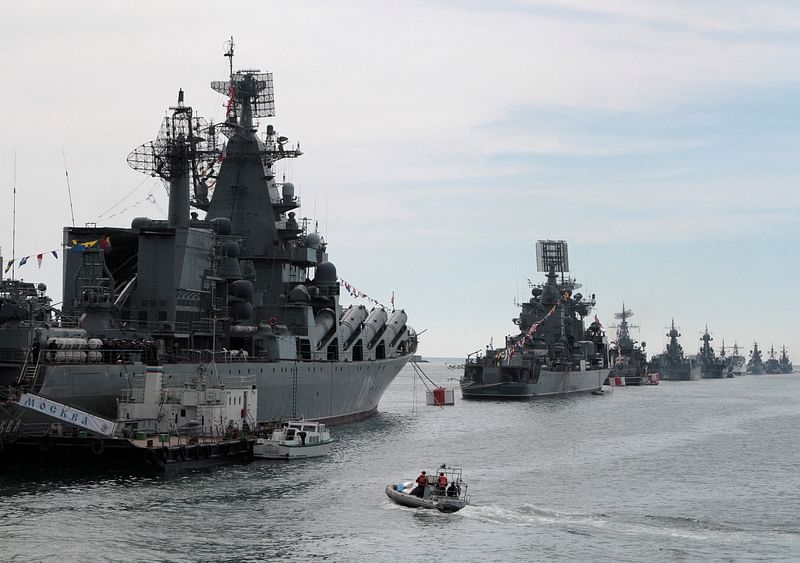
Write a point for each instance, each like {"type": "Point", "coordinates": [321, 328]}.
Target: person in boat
{"type": "Point", "coordinates": [441, 483]}
{"type": "Point", "coordinates": [452, 490]}
{"type": "Point", "coordinates": [422, 482]}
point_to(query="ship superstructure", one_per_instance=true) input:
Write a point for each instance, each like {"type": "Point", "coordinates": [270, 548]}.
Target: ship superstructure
{"type": "Point", "coordinates": [247, 291]}
{"type": "Point", "coordinates": [554, 353]}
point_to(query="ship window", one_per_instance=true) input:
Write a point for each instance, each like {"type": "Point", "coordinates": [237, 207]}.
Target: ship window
{"type": "Point", "coordinates": [162, 315]}
{"type": "Point", "coordinates": [183, 413]}
{"type": "Point", "coordinates": [143, 316]}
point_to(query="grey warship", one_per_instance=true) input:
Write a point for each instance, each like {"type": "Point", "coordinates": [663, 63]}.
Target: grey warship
{"type": "Point", "coordinates": [628, 358]}
{"type": "Point", "coordinates": [672, 364]}
{"type": "Point", "coordinates": [755, 365]}
{"type": "Point", "coordinates": [552, 354]}
{"type": "Point", "coordinates": [785, 363]}
{"type": "Point", "coordinates": [247, 291]}
{"type": "Point", "coordinates": [711, 366]}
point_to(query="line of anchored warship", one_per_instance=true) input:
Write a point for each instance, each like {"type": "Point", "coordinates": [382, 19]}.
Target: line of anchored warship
{"type": "Point", "coordinates": [177, 339]}
{"type": "Point", "coordinates": [555, 352]}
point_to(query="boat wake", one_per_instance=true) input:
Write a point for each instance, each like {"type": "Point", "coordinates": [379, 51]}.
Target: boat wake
{"type": "Point", "coordinates": [527, 514]}
{"type": "Point", "coordinates": [624, 526]}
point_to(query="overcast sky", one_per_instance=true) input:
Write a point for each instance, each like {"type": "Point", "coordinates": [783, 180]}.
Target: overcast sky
{"type": "Point", "coordinates": [442, 139]}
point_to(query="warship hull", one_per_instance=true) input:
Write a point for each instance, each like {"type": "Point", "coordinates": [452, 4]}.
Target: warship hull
{"type": "Point", "coordinates": [492, 386]}
{"type": "Point", "coordinates": [331, 392]}
{"type": "Point", "coordinates": [681, 374]}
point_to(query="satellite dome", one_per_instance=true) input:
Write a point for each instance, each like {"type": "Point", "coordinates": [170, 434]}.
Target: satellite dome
{"type": "Point", "coordinates": [222, 225]}
{"type": "Point", "coordinates": [243, 289]}
{"type": "Point", "coordinates": [141, 223]}
{"type": "Point", "coordinates": [326, 273]}
{"type": "Point", "coordinates": [299, 294]}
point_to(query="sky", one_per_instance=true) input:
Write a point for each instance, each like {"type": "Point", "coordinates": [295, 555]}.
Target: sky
{"type": "Point", "coordinates": [443, 139]}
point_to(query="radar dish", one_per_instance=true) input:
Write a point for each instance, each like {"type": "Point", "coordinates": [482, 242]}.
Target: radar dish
{"type": "Point", "coordinates": [625, 314]}
{"type": "Point", "coordinates": [552, 253]}
{"type": "Point", "coordinates": [169, 155]}
{"type": "Point", "coordinates": [252, 87]}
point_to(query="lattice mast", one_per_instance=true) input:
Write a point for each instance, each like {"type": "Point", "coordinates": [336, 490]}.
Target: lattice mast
{"type": "Point", "coordinates": [173, 156]}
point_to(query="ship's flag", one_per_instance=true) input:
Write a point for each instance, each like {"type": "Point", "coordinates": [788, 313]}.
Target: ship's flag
{"type": "Point", "coordinates": [392, 300]}
{"type": "Point", "coordinates": [23, 260]}
{"type": "Point", "coordinates": [223, 152]}
{"type": "Point", "coordinates": [81, 246]}
{"type": "Point", "coordinates": [39, 259]}
{"type": "Point", "coordinates": [11, 263]}
{"type": "Point", "coordinates": [55, 254]}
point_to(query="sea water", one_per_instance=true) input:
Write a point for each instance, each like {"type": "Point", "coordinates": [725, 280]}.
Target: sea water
{"type": "Point", "coordinates": [682, 471]}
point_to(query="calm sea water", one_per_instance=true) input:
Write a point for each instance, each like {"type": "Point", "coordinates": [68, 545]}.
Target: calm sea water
{"type": "Point", "coordinates": [683, 471]}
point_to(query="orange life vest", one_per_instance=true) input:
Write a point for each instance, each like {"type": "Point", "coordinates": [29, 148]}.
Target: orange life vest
{"type": "Point", "coordinates": [442, 481]}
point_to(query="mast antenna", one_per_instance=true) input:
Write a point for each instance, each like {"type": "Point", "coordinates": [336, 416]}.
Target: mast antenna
{"type": "Point", "coordinates": [14, 221]}
{"type": "Point", "coordinates": [229, 53]}
{"type": "Point", "coordinates": [69, 191]}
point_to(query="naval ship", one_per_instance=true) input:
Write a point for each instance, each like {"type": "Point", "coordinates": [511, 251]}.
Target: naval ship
{"type": "Point", "coordinates": [786, 365]}
{"type": "Point", "coordinates": [772, 365]}
{"type": "Point", "coordinates": [552, 354]}
{"type": "Point", "coordinates": [711, 366]}
{"type": "Point", "coordinates": [628, 358]}
{"type": "Point", "coordinates": [672, 364]}
{"type": "Point", "coordinates": [245, 292]}
{"type": "Point", "coordinates": [736, 362]}
{"type": "Point", "coordinates": [755, 366]}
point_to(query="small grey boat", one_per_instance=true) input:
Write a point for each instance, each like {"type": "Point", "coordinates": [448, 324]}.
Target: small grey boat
{"type": "Point", "coordinates": [449, 499]}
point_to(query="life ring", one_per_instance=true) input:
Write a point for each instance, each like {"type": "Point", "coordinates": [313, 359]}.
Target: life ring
{"type": "Point", "coordinates": [98, 446]}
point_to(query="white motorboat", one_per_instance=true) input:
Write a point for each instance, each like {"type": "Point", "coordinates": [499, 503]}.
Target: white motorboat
{"type": "Point", "coordinates": [295, 440]}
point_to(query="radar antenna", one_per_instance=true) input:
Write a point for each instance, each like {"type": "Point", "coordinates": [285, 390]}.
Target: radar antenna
{"type": "Point", "coordinates": [552, 253]}
{"type": "Point", "coordinates": [173, 152]}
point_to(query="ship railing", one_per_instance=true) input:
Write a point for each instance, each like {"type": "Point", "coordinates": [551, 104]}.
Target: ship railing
{"type": "Point", "coordinates": [93, 356]}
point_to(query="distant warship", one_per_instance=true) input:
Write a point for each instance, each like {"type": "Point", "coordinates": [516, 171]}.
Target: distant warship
{"type": "Point", "coordinates": [628, 358]}
{"type": "Point", "coordinates": [244, 294]}
{"type": "Point", "coordinates": [772, 365]}
{"type": "Point", "coordinates": [736, 362]}
{"type": "Point", "coordinates": [672, 364]}
{"type": "Point", "coordinates": [711, 367]}
{"type": "Point", "coordinates": [786, 365]}
{"type": "Point", "coordinates": [553, 353]}
{"type": "Point", "coordinates": [755, 365]}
